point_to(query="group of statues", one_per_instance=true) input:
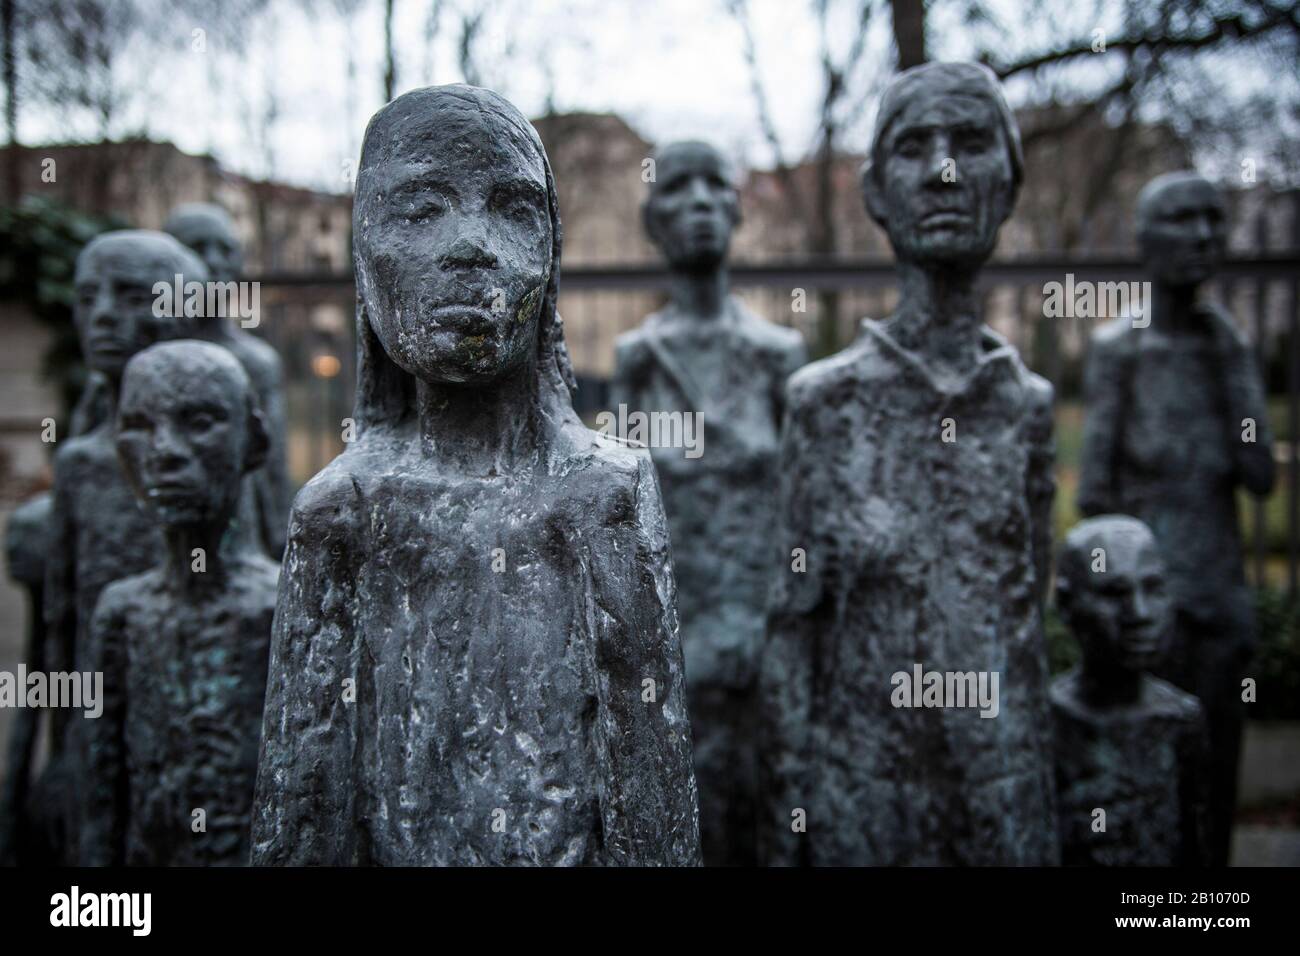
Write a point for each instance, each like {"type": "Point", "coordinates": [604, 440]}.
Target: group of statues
{"type": "Point", "coordinates": [499, 637]}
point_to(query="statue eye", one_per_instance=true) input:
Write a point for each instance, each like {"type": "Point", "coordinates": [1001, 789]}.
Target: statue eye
{"type": "Point", "coordinates": [135, 295]}
{"type": "Point", "coordinates": [515, 205]}
{"type": "Point", "coordinates": [908, 146]}
{"type": "Point", "coordinates": [426, 208]}
{"type": "Point", "coordinates": [201, 420]}
{"type": "Point", "coordinates": [134, 423]}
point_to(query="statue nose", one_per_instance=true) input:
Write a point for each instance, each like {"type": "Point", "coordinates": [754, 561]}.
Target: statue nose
{"type": "Point", "coordinates": [467, 252]}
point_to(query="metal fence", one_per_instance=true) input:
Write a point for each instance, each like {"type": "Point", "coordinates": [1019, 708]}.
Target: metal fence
{"type": "Point", "coordinates": [310, 320]}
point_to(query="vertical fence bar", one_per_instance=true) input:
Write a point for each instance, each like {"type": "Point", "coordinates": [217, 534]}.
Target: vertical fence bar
{"type": "Point", "coordinates": [1259, 543]}
{"type": "Point", "coordinates": [1293, 412]}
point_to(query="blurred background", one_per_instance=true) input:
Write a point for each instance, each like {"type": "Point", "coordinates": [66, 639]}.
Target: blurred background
{"type": "Point", "coordinates": [117, 110]}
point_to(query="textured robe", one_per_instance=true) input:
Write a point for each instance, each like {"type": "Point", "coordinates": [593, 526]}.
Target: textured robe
{"type": "Point", "coordinates": [476, 671]}
{"type": "Point", "coordinates": [917, 551]}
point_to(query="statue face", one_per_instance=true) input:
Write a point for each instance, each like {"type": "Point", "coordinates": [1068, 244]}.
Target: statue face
{"type": "Point", "coordinates": [453, 248]}
{"type": "Point", "coordinates": [1184, 232]}
{"type": "Point", "coordinates": [944, 179]}
{"type": "Point", "coordinates": [183, 435]}
{"type": "Point", "coordinates": [210, 234]}
{"type": "Point", "coordinates": [114, 310]}
{"type": "Point", "coordinates": [693, 207]}
{"type": "Point", "coordinates": [1122, 615]}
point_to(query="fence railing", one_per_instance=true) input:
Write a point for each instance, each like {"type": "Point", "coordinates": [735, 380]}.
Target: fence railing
{"type": "Point", "coordinates": [310, 320]}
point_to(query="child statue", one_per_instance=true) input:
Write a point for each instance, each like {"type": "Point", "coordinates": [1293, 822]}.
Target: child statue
{"type": "Point", "coordinates": [1130, 748]}
{"type": "Point", "coordinates": [475, 657]}
{"type": "Point", "coordinates": [183, 647]}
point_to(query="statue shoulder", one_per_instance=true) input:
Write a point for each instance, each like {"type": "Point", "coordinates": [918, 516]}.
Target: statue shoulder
{"type": "Point", "coordinates": [630, 349]}
{"type": "Point", "coordinates": [260, 360]}
{"type": "Point", "coordinates": [1171, 702]}
{"type": "Point", "coordinates": [851, 368]}
{"type": "Point", "coordinates": [331, 503]}
{"type": "Point", "coordinates": [765, 334]}
{"type": "Point", "coordinates": [118, 597]}
{"type": "Point", "coordinates": [80, 449]}
{"type": "Point", "coordinates": [1039, 395]}
{"type": "Point", "coordinates": [614, 476]}
{"type": "Point", "coordinates": [1112, 338]}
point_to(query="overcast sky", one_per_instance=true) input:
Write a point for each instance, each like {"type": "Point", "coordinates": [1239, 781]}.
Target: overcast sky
{"type": "Point", "coordinates": [672, 68]}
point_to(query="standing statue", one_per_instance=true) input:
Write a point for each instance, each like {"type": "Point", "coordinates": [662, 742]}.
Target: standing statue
{"type": "Point", "coordinates": [474, 658]}
{"type": "Point", "coordinates": [1130, 748]}
{"type": "Point", "coordinates": [916, 495]}
{"type": "Point", "coordinates": [1176, 422]}
{"type": "Point", "coordinates": [25, 550]}
{"type": "Point", "coordinates": [98, 531]}
{"type": "Point", "coordinates": [208, 230]}
{"type": "Point", "coordinates": [707, 355]}
{"type": "Point", "coordinates": [183, 647]}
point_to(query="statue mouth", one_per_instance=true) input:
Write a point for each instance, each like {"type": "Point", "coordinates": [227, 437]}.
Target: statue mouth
{"type": "Point", "coordinates": [107, 347]}
{"type": "Point", "coordinates": [462, 317]}
{"type": "Point", "coordinates": [944, 219]}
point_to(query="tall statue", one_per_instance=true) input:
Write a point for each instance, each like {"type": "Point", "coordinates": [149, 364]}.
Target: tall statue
{"type": "Point", "coordinates": [707, 355]}
{"type": "Point", "coordinates": [98, 531]}
{"type": "Point", "coordinates": [904, 677]}
{"type": "Point", "coordinates": [1130, 748]}
{"type": "Point", "coordinates": [474, 658]}
{"type": "Point", "coordinates": [1176, 423]}
{"type": "Point", "coordinates": [208, 230]}
{"type": "Point", "coordinates": [25, 550]}
{"type": "Point", "coordinates": [183, 647]}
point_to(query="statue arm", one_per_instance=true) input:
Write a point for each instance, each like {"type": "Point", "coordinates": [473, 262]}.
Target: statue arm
{"type": "Point", "coordinates": [104, 836]}
{"type": "Point", "coordinates": [795, 625]}
{"type": "Point", "coordinates": [60, 609]}
{"type": "Point", "coordinates": [304, 809]}
{"type": "Point", "coordinates": [1041, 486]}
{"type": "Point", "coordinates": [649, 802]}
{"type": "Point", "coordinates": [793, 358]}
{"type": "Point", "coordinates": [1193, 793]}
{"type": "Point", "coordinates": [272, 482]}
{"type": "Point", "coordinates": [626, 383]}
{"type": "Point", "coordinates": [1104, 392]}
{"type": "Point", "coordinates": [1246, 403]}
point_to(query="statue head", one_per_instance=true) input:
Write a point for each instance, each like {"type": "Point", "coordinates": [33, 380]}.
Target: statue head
{"type": "Point", "coordinates": [115, 312]}
{"type": "Point", "coordinates": [1181, 228]}
{"type": "Point", "coordinates": [456, 244]}
{"type": "Point", "coordinates": [210, 232]}
{"type": "Point", "coordinates": [188, 429]}
{"type": "Point", "coordinates": [693, 206]}
{"type": "Point", "coordinates": [1111, 592]}
{"type": "Point", "coordinates": [945, 164]}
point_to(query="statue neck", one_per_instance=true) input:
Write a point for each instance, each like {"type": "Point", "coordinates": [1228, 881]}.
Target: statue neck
{"type": "Point", "coordinates": [701, 295]}
{"type": "Point", "coordinates": [938, 315]}
{"type": "Point", "coordinates": [1173, 308]}
{"type": "Point", "coordinates": [480, 430]}
{"type": "Point", "coordinates": [218, 549]}
{"type": "Point", "coordinates": [1106, 685]}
